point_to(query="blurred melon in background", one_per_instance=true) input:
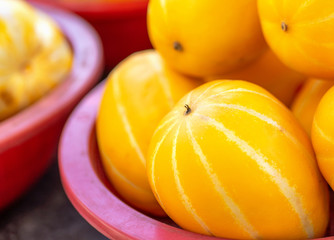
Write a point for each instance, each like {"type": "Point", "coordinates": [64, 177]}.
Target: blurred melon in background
{"type": "Point", "coordinates": [35, 56]}
{"type": "Point", "coordinates": [307, 100]}
{"type": "Point", "coordinates": [121, 24]}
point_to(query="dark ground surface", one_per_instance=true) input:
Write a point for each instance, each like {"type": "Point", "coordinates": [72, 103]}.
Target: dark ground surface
{"type": "Point", "coordinates": [45, 213]}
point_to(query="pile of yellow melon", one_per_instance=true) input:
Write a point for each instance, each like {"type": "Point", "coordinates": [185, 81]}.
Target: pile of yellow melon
{"type": "Point", "coordinates": [34, 56]}
{"type": "Point", "coordinates": [227, 158]}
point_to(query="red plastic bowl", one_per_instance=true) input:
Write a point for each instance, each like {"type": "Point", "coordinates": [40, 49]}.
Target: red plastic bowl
{"type": "Point", "coordinates": [29, 139]}
{"type": "Point", "coordinates": [121, 25]}
{"type": "Point", "coordinates": [94, 197]}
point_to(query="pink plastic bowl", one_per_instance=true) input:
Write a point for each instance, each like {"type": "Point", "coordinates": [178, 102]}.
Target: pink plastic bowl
{"type": "Point", "coordinates": [94, 197]}
{"type": "Point", "coordinates": [29, 139]}
{"type": "Point", "coordinates": [121, 25]}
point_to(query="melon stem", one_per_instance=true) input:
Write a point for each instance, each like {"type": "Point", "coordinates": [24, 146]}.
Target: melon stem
{"type": "Point", "coordinates": [177, 46]}
{"type": "Point", "coordinates": [284, 26]}
{"type": "Point", "coordinates": [188, 109]}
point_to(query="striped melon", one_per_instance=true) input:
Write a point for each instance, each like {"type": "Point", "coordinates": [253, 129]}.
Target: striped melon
{"type": "Point", "coordinates": [34, 56]}
{"type": "Point", "coordinates": [307, 100]}
{"type": "Point", "coordinates": [323, 136]}
{"type": "Point", "coordinates": [301, 34]}
{"type": "Point", "coordinates": [205, 38]}
{"type": "Point", "coordinates": [138, 93]}
{"type": "Point", "coordinates": [231, 161]}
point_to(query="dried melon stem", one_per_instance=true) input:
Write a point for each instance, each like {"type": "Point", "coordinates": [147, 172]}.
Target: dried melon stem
{"type": "Point", "coordinates": [188, 109]}
{"type": "Point", "coordinates": [284, 26]}
{"type": "Point", "coordinates": [177, 46]}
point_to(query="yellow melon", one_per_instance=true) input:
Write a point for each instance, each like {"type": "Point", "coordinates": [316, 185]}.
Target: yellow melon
{"type": "Point", "coordinates": [231, 161]}
{"type": "Point", "coordinates": [35, 56]}
{"type": "Point", "coordinates": [205, 38]}
{"type": "Point", "coordinates": [301, 33]}
{"type": "Point", "coordinates": [307, 100]}
{"type": "Point", "coordinates": [323, 136]}
{"type": "Point", "coordinates": [138, 93]}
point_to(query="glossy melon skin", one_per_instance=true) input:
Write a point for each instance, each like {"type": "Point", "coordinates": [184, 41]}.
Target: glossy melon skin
{"type": "Point", "coordinates": [35, 56]}
{"type": "Point", "coordinates": [205, 38]}
{"type": "Point", "coordinates": [237, 165]}
{"type": "Point", "coordinates": [323, 136]}
{"type": "Point", "coordinates": [270, 73]}
{"type": "Point", "coordinates": [307, 100]}
{"type": "Point", "coordinates": [138, 93]}
{"type": "Point", "coordinates": [301, 33]}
